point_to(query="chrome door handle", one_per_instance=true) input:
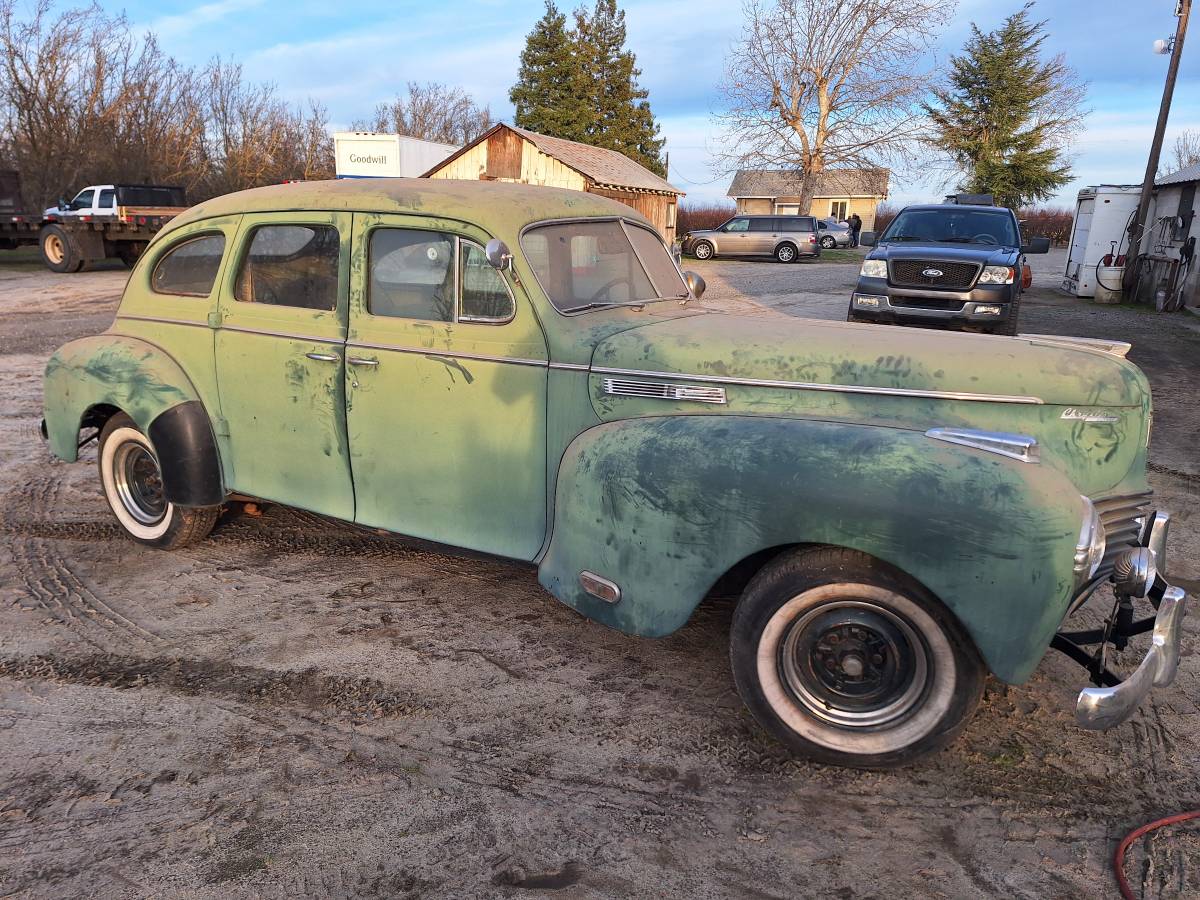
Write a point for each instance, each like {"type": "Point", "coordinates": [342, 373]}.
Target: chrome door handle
{"type": "Point", "coordinates": [323, 357]}
{"type": "Point", "coordinates": [361, 361]}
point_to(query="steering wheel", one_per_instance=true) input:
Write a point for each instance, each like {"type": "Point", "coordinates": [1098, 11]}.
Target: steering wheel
{"type": "Point", "coordinates": [608, 286]}
{"type": "Point", "coordinates": [984, 238]}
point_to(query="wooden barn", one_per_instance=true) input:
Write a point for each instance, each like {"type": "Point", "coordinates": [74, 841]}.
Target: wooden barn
{"type": "Point", "coordinates": [508, 153]}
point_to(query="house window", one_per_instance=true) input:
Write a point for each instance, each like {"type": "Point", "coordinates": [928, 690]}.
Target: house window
{"type": "Point", "coordinates": [838, 209]}
{"type": "Point", "coordinates": [787, 209]}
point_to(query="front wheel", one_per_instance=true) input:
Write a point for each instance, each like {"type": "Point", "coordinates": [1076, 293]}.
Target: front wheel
{"type": "Point", "coordinates": [1010, 324]}
{"type": "Point", "coordinates": [850, 663]}
{"type": "Point", "coordinates": [702, 250]}
{"type": "Point", "coordinates": [133, 486]}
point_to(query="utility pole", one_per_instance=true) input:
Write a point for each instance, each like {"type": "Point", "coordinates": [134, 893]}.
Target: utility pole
{"type": "Point", "coordinates": [1138, 229]}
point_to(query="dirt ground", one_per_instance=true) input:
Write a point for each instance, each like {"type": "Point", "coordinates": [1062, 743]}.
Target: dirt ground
{"type": "Point", "coordinates": [295, 707]}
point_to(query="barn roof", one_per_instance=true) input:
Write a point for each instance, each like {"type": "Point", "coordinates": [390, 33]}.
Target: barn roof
{"type": "Point", "coordinates": [830, 183]}
{"type": "Point", "coordinates": [606, 168]}
{"type": "Point", "coordinates": [1187, 173]}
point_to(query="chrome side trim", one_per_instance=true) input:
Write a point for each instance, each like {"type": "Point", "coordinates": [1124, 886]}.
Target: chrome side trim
{"type": "Point", "coordinates": [570, 367]}
{"type": "Point", "coordinates": [813, 386]}
{"type": "Point", "coordinates": [1015, 446]}
{"type": "Point", "coordinates": [451, 354]}
{"type": "Point", "coordinates": [163, 320]}
{"type": "Point", "coordinates": [622, 387]}
{"type": "Point", "coordinates": [283, 334]}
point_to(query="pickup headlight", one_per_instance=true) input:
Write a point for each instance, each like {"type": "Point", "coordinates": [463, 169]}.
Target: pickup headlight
{"type": "Point", "coordinates": [1089, 552]}
{"type": "Point", "coordinates": [997, 275]}
{"type": "Point", "coordinates": [874, 268]}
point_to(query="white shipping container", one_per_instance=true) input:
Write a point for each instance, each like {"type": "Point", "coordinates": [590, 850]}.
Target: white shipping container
{"type": "Point", "coordinates": [367, 154]}
{"type": "Point", "coordinates": [1102, 214]}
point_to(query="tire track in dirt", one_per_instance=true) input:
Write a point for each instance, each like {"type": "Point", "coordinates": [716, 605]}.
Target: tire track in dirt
{"type": "Point", "coordinates": [47, 578]}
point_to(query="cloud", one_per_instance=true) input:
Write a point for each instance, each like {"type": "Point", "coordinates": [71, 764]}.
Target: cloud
{"type": "Point", "coordinates": [183, 24]}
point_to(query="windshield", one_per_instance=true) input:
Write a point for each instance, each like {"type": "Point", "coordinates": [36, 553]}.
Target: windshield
{"type": "Point", "coordinates": [951, 225]}
{"type": "Point", "coordinates": [604, 262]}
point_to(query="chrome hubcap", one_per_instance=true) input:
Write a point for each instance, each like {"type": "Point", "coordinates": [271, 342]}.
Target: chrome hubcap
{"type": "Point", "coordinates": [854, 664]}
{"type": "Point", "coordinates": [138, 481]}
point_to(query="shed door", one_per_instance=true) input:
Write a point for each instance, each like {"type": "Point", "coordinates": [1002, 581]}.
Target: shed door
{"type": "Point", "coordinates": [504, 155]}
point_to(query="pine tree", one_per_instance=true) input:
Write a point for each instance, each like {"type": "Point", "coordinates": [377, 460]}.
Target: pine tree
{"type": "Point", "coordinates": [622, 119]}
{"type": "Point", "coordinates": [1006, 115]}
{"type": "Point", "coordinates": [581, 84]}
{"type": "Point", "coordinates": [548, 94]}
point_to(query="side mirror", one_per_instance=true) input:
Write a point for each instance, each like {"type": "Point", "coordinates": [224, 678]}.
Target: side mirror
{"type": "Point", "coordinates": [867, 239]}
{"type": "Point", "coordinates": [498, 255]}
{"type": "Point", "coordinates": [695, 284]}
{"type": "Point", "coordinates": [1037, 245]}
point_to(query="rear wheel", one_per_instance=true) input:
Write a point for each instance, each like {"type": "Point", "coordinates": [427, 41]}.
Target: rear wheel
{"type": "Point", "coordinates": [850, 663]}
{"type": "Point", "coordinates": [786, 253]}
{"type": "Point", "coordinates": [58, 252]}
{"type": "Point", "coordinates": [702, 250]}
{"type": "Point", "coordinates": [132, 481]}
{"type": "Point", "coordinates": [828, 242]}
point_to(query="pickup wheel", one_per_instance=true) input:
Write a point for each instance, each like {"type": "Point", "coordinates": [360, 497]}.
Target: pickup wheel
{"type": "Point", "coordinates": [850, 663]}
{"type": "Point", "coordinates": [1009, 326]}
{"type": "Point", "coordinates": [58, 252]}
{"type": "Point", "coordinates": [132, 483]}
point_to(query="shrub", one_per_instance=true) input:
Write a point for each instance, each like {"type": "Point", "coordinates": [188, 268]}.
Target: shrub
{"type": "Point", "coordinates": [695, 216]}
{"type": "Point", "coordinates": [1048, 222]}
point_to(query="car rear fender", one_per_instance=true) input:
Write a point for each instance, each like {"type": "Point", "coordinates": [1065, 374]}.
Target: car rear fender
{"type": "Point", "coordinates": [109, 372]}
{"type": "Point", "coordinates": [663, 507]}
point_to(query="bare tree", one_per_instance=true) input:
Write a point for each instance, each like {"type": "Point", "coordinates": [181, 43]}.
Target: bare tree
{"type": "Point", "coordinates": [1184, 152]}
{"type": "Point", "coordinates": [432, 112]}
{"type": "Point", "coordinates": [817, 85]}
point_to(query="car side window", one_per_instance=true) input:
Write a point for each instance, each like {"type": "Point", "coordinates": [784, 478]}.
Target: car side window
{"type": "Point", "coordinates": [411, 274]}
{"type": "Point", "coordinates": [291, 265]}
{"type": "Point", "coordinates": [738, 225]}
{"type": "Point", "coordinates": [762, 224]}
{"type": "Point", "coordinates": [485, 296]}
{"type": "Point", "coordinates": [190, 267]}
{"type": "Point", "coordinates": [107, 197]}
{"type": "Point", "coordinates": [83, 200]}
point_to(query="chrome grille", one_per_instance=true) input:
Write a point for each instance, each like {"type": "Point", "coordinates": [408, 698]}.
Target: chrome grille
{"type": "Point", "coordinates": [1123, 516]}
{"type": "Point", "coordinates": [623, 387]}
{"type": "Point", "coordinates": [954, 276]}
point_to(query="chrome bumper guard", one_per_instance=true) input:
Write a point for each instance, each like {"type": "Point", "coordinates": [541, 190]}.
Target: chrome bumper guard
{"type": "Point", "coordinates": [1115, 699]}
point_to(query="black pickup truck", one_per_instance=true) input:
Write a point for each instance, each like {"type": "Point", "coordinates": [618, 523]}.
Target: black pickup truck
{"type": "Point", "coordinates": [957, 264]}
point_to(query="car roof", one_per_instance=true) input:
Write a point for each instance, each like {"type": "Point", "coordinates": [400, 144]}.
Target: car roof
{"type": "Point", "coordinates": [493, 206]}
{"type": "Point", "coordinates": [943, 206]}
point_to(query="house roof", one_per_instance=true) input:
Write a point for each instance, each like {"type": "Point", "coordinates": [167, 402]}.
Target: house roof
{"type": "Point", "coordinates": [830, 183]}
{"type": "Point", "coordinates": [1188, 173]}
{"type": "Point", "coordinates": [607, 168]}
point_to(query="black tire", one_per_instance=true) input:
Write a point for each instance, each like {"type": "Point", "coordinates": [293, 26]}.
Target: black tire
{"type": "Point", "coordinates": [132, 484]}
{"type": "Point", "coordinates": [1009, 326]}
{"type": "Point", "coordinates": [828, 242]}
{"type": "Point", "coordinates": [817, 628]}
{"type": "Point", "coordinates": [702, 250]}
{"type": "Point", "coordinates": [786, 253]}
{"type": "Point", "coordinates": [128, 253]}
{"type": "Point", "coordinates": [58, 250]}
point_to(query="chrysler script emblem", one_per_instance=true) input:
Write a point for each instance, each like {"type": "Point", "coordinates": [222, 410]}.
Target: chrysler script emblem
{"type": "Point", "coordinates": [1088, 415]}
{"type": "Point", "coordinates": [932, 273]}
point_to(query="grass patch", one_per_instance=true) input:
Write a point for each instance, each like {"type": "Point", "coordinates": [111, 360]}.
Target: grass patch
{"type": "Point", "coordinates": [22, 259]}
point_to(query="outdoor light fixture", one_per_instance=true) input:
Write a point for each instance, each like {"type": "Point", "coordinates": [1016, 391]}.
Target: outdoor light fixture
{"type": "Point", "coordinates": [1164, 47]}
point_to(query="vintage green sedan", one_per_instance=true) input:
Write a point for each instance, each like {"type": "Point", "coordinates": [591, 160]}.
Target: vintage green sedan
{"type": "Point", "coordinates": [518, 371]}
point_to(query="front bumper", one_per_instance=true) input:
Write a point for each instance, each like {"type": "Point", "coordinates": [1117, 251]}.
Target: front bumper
{"type": "Point", "coordinates": [1114, 700]}
{"type": "Point", "coordinates": [878, 301]}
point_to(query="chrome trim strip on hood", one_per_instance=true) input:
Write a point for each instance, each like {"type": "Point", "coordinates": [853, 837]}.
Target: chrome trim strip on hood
{"type": "Point", "coordinates": [834, 388]}
{"type": "Point", "coordinates": [1118, 349]}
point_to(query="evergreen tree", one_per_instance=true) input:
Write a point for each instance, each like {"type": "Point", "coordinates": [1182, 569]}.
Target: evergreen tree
{"type": "Point", "coordinates": [548, 94]}
{"type": "Point", "coordinates": [1006, 115]}
{"type": "Point", "coordinates": [622, 119]}
{"type": "Point", "coordinates": [581, 84]}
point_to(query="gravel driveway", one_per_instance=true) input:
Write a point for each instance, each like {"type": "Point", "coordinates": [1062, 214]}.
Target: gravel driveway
{"type": "Point", "coordinates": [297, 707]}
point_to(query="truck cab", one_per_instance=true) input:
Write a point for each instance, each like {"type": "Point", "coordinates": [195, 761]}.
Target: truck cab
{"type": "Point", "coordinates": [93, 200]}
{"type": "Point", "coordinates": [959, 264]}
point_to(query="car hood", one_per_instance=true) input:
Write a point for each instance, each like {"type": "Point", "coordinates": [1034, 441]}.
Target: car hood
{"type": "Point", "coordinates": [804, 353]}
{"type": "Point", "coordinates": [985, 254]}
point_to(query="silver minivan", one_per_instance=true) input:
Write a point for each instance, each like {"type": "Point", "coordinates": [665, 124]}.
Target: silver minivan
{"type": "Point", "coordinates": [787, 238]}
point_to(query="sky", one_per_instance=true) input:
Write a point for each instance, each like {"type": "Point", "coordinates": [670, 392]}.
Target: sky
{"type": "Point", "coordinates": [354, 57]}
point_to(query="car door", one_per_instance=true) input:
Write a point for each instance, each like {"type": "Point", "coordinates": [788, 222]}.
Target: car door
{"type": "Point", "coordinates": [279, 354]}
{"type": "Point", "coordinates": [760, 238]}
{"type": "Point", "coordinates": [446, 388]}
{"type": "Point", "coordinates": [106, 202]}
{"type": "Point", "coordinates": [82, 204]}
{"type": "Point", "coordinates": [735, 237]}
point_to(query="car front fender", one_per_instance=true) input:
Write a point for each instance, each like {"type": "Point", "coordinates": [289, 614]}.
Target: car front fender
{"type": "Point", "coordinates": [664, 506]}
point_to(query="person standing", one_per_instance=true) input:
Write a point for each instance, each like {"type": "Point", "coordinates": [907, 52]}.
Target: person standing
{"type": "Point", "coordinates": [855, 223]}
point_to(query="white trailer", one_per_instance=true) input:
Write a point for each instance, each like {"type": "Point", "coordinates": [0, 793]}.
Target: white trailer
{"type": "Point", "coordinates": [369, 154]}
{"type": "Point", "coordinates": [1102, 213]}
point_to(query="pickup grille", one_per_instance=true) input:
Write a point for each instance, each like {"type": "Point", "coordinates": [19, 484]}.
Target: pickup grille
{"type": "Point", "coordinates": [956, 276]}
{"type": "Point", "coordinates": [1123, 516]}
{"type": "Point", "coordinates": [927, 303]}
